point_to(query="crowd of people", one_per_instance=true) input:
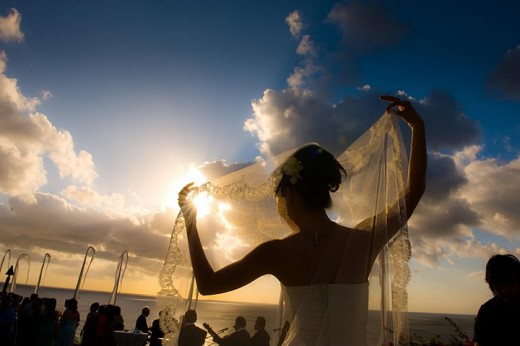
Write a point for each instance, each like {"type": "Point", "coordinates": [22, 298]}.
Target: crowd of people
{"type": "Point", "coordinates": [35, 321]}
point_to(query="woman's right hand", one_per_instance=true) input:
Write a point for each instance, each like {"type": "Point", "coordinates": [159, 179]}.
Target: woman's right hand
{"type": "Point", "coordinates": [188, 209]}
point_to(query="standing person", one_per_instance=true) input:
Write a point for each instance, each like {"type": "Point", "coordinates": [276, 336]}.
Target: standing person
{"type": "Point", "coordinates": [7, 320]}
{"type": "Point", "coordinates": [240, 337]}
{"type": "Point", "coordinates": [141, 323]}
{"type": "Point", "coordinates": [261, 337]}
{"type": "Point", "coordinates": [190, 334]}
{"type": "Point", "coordinates": [118, 322]}
{"type": "Point", "coordinates": [49, 323]}
{"type": "Point", "coordinates": [498, 319]}
{"type": "Point", "coordinates": [69, 321]}
{"type": "Point", "coordinates": [88, 331]}
{"type": "Point", "coordinates": [323, 266]}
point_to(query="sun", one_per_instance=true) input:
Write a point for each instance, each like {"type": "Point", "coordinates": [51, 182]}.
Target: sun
{"type": "Point", "coordinates": [202, 200]}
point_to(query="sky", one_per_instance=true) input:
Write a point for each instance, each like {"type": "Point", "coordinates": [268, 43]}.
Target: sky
{"type": "Point", "coordinates": [106, 109]}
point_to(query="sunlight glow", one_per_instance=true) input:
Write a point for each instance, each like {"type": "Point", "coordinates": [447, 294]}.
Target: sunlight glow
{"type": "Point", "coordinates": [194, 175]}
{"type": "Point", "coordinates": [203, 203]}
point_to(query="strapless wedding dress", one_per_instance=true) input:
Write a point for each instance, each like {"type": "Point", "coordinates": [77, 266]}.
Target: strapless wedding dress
{"type": "Point", "coordinates": [327, 314]}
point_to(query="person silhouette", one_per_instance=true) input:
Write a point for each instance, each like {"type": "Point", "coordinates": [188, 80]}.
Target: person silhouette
{"type": "Point", "coordinates": [140, 323]}
{"type": "Point", "coordinates": [240, 337]}
{"type": "Point", "coordinates": [498, 319]}
{"type": "Point", "coordinates": [322, 263]}
{"type": "Point", "coordinates": [261, 337]}
{"type": "Point", "coordinates": [190, 334]}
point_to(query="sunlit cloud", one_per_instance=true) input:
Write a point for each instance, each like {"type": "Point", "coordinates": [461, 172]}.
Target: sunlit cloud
{"type": "Point", "coordinates": [294, 21]}
{"type": "Point", "coordinates": [87, 196]}
{"type": "Point", "coordinates": [306, 47]}
{"type": "Point", "coordinates": [10, 27]}
{"type": "Point", "coordinates": [27, 137]}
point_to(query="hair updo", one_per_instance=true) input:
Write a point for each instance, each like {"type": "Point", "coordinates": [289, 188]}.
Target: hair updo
{"type": "Point", "coordinates": [314, 172]}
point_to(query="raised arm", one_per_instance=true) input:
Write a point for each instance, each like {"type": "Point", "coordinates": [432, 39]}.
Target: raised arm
{"type": "Point", "coordinates": [255, 264]}
{"type": "Point", "coordinates": [416, 177]}
{"type": "Point", "coordinates": [416, 180]}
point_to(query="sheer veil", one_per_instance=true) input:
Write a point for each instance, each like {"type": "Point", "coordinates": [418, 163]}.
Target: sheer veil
{"type": "Point", "coordinates": [242, 214]}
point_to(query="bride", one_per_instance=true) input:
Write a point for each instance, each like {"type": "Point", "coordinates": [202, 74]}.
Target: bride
{"type": "Point", "coordinates": [323, 266]}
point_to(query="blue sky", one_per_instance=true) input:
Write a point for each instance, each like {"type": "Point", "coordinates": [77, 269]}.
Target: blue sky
{"type": "Point", "coordinates": [106, 106]}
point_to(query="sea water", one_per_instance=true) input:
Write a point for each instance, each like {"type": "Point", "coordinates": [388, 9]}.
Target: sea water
{"type": "Point", "coordinates": [221, 315]}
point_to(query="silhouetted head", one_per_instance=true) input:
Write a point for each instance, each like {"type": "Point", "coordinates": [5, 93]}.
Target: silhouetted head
{"type": "Point", "coordinates": [503, 276]}
{"type": "Point", "coordinates": [50, 305]}
{"type": "Point", "coordinates": [94, 307]}
{"type": "Point", "coordinates": [314, 173]}
{"type": "Point", "coordinates": [145, 311]}
{"type": "Point", "coordinates": [260, 323]}
{"type": "Point", "coordinates": [240, 322]}
{"type": "Point", "coordinates": [190, 316]}
{"type": "Point", "coordinates": [72, 304]}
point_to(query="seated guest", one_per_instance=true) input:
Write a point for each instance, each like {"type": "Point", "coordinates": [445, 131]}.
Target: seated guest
{"type": "Point", "coordinates": [261, 337]}
{"type": "Point", "coordinates": [156, 333]}
{"type": "Point", "coordinates": [240, 337]}
{"type": "Point", "coordinates": [141, 323]}
{"type": "Point", "coordinates": [190, 334]}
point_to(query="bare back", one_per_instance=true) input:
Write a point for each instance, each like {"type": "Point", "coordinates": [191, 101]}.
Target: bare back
{"type": "Point", "coordinates": [337, 256]}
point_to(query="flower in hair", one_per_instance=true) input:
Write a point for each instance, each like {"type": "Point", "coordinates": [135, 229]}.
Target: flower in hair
{"type": "Point", "coordinates": [292, 168]}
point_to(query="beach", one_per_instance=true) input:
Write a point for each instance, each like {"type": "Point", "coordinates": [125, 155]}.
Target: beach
{"type": "Point", "coordinates": [221, 315]}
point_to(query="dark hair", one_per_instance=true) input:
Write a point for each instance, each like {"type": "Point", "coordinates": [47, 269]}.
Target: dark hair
{"type": "Point", "coordinates": [240, 322]}
{"type": "Point", "coordinates": [94, 306]}
{"type": "Point", "coordinates": [261, 321]}
{"type": "Point", "coordinates": [71, 304]}
{"type": "Point", "coordinates": [319, 174]}
{"type": "Point", "coordinates": [190, 316]}
{"type": "Point", "coordinates": [502, 269]}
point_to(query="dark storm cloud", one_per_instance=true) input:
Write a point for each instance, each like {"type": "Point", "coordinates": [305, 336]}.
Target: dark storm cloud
{"type": "Point", "coordinates": [504, 80]}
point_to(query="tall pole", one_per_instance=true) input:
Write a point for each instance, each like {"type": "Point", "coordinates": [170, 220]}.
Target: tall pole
{"type": "Point", "coordinates": [80, 277]}
{"type": "Point", "coordinates": [46, 260]}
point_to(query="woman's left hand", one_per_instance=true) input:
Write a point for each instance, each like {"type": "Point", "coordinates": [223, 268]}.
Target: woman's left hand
{"type": "Point", "coordinates": [188, 209]}
{"type": "Point", "coordinates": [405, 109]}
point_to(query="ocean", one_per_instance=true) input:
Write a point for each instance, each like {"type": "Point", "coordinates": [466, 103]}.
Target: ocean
{"type": "Point", "coordinates": [221, 315]}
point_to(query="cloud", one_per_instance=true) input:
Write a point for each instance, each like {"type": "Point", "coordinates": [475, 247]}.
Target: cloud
{"type": "Point", "coordinates": [216, 169]}
{"type": "Point", "coordinates": [45, 222]}
{"type": "Point", "coordinates": [306, 47]}
{"type": "Point", "coordinates": [10, 27]}
{"type": "Point", "coordinates": [289, 118]}
{"type": "Point", "coordinates": [447, 124]}
{"type": "Point", "coordinates": [505, 77]}
{"type": "Point", "coordinates": [367, 26]}
{"type": "Point", "coordinates": [492, 191]}
{"type": "Point", "coordinates": [87, 196]}
{"type": "Point", "coordinates": [294, 21]}
{"type": "Point", "coordinates": [28, 137]}
{"type": "Point", "coordinates": [465, 193]}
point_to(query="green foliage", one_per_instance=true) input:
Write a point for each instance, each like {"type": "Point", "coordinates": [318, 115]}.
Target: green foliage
{"type": "Point", "coordinates": [458, 338]}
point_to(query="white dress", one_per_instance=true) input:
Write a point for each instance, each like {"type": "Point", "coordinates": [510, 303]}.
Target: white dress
{"type": "Point", "coordinates": [327, 314]}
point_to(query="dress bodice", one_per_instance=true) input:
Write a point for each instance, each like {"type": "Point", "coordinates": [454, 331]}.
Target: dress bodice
{"type": "Point", "coordinates": [326, 314]}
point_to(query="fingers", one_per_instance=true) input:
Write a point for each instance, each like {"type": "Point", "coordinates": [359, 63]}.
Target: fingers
{"type": "Point", "coordinates": [396, 102]}
{"type": "Point", "coordinates": [185, 191]}
{"type": "Point", "coordinates": [183, 199]}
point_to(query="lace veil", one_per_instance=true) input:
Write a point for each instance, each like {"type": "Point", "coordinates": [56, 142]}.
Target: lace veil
{"type": "Point", "coordinates": [243, 214]}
